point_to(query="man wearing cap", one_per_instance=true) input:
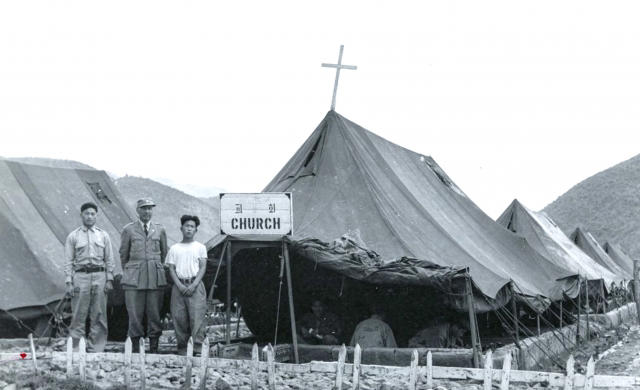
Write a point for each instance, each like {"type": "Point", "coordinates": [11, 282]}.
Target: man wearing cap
{"type": "Point", "coordinates": [89, 276]}
{"type": "Point", "coordinates": [143, 249]}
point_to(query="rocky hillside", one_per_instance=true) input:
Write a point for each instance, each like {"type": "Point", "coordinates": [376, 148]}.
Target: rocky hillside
{"type": "Point", "coordinates": [606, 204]}
{"type": "Point", "coordinates": [172, 204]}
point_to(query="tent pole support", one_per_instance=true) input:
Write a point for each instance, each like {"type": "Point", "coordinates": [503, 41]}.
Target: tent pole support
{"type": "Point", "coordinates": [215, 278]}
{"type": "Point", "coordinates": [561, 311]}
{"type": "Point", "coordinates": [586, 301]}
{"type": "Point", "coordinates": [228, 319]}
{"type": "Point", "coordinates": [514, 310]}
{"type": "Point", "coordinates": [636, 287]}
{"type": "Point", "coordinates": [579, 304]}
{"type": "Point", "coordinates": [292, 312]}
{"type": "Point", "coordinates": [473, 325]}
{"type": "Point", "coordinates": [604, 300]}
{"type": "Point", "coordinates": [538, 323]}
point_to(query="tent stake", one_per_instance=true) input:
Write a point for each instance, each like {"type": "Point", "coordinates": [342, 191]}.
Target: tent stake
{"type": "Point", "coordinates": [228, 319]}
{"type": "Point", "coordinates": [292, 312]}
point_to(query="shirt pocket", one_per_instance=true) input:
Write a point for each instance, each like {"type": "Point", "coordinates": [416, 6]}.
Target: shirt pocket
{"type": "Point", "coordinates": [81, 247]}
{"type": "Point", "coordinates": [137, 248]}
{"type": "Point", "coordinates": [131, 274]}
{"type": "Point", "coordinates": [155, 246]}
{"type": "Point", "coordinates": [99, 249]}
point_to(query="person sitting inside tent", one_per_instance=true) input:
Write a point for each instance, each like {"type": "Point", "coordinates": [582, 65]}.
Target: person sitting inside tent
{"type": "Point", "coordinates": [374, 332]}
{"type": "Point", "coordinates": [442, 334]}
{"type": "Point", "coordinates": [319, 326]}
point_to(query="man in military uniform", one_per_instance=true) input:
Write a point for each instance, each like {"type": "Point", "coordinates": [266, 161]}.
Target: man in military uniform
{"type": "Point", "coordinates": [143, 249]}
{"type": "Point", "coordinates": [89, 276]}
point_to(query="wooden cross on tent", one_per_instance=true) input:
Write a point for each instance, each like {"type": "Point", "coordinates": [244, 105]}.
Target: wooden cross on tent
{"type": "Point", "coordinates": [338, 66]}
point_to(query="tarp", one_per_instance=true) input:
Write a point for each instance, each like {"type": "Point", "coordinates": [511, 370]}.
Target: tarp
{"type": "Point", "coordinates": [39, 207]}
{"type": "Point", "coordinates": [589, 245]}
{"type": "Point", "coordinates": [401, 204]}
{"type": "Point", "coordinates": [542, 233]}
{"type": "Point", "coordinates": [621, 258]}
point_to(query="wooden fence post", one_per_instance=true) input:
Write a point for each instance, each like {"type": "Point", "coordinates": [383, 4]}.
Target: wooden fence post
{"type": "Point", "coordinates": [82, 349]}
{"type": "Point", "coordinates": [69, 357]}
{"type": "Point", "coordinates": [189, 365]}
{"type": "Point", "coordinates": [127, 363]}
{"type": "Point", "coordinates": [568, 381]}
{"type": "Point", "coordinates": [204, 363]}
{"type": "Point", "coordinates": [591, 367]}
{"type": "Point", "coordinates": [33, 353]}
{"type": "Point", "coordinates": [255, 366]}
{"type": "Point", "coordinates": [506, 372]}
{"type": "Point", "coordinates": [271, 368]}
{"type": "Point", "coordinates": [429, 370]}
{"type": "Point", "coordinates": [413, 370]}
{"type": "Point", "coordinates": [143, 366]}
{"type": "Point", "coordinates": [488, 368]}
{"type": "Point", "coordinates": [355, 385]}
{"type": "Point", "coordinates": [340, 367]}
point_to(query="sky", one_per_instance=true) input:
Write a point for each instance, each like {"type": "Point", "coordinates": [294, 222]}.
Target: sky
{"type": "Point", "coordinates": [513, 99]}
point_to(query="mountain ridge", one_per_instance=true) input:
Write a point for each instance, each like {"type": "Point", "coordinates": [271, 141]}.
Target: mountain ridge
{"type": "Point", "coordinates": [606, 204]}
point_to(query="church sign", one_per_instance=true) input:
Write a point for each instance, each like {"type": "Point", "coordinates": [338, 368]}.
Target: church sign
{"type": "Point", "coordinates": [267, 213]}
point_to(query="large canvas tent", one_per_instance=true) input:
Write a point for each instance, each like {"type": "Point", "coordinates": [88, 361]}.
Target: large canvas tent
{"type": "Point", "coordinates": [542, 233]}
{"type": "Point", "coordinates": [621, 258]}
{"type": "Point", "coordinates": [589, 245]}
{"type": "Point", "coordinates": [395, 205]}
{"type": "Point", "coordinates": [39, 206]}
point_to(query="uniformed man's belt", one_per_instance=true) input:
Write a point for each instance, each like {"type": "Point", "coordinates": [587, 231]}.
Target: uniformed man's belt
{"type": "Point", "coordinates": [90, 270]}
{"type": "Point", "coordinates": [187, 280]}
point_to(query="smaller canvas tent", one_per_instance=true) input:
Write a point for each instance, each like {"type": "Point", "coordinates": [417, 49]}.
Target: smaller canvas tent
{"type": "Point", "coordinates": [542, 233]}
{"type": "Point", "coordinates": [39, 206]}
{"type": "Point", "coordinates": [589, 245]}
{"type": "Point", "coordinates": [620, 257]}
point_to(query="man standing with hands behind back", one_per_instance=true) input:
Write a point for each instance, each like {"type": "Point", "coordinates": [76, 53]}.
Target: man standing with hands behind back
{"type": "Point", "coordinates": [143, 249]}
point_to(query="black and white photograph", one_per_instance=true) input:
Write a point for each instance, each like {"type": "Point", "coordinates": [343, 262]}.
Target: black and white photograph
{"type": "Point", "coordinates": [340, 195]}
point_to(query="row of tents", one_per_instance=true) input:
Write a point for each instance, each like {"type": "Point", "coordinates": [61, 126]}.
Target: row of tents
{"type": "Point", "coordinates": [369, 216]}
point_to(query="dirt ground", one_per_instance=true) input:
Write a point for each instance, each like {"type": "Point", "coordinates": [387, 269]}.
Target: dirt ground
{"type": "Point", "coordinates": [619, 354]}
{"type": "Point", "coordinates": [623, 358]}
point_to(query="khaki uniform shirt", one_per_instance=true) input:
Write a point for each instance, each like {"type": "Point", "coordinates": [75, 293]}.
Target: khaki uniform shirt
{"type": "Point", "coordinates": [88, 247]}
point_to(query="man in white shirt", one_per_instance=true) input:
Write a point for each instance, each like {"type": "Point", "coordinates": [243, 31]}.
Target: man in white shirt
{"type": "Point", "coordinates": [187, 261]}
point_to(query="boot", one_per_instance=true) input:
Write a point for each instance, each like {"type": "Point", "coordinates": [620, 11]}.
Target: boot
{"type": "Point", "coordinates": [135, 344]}
{"type": "Point", "coordinates": [153, 345]}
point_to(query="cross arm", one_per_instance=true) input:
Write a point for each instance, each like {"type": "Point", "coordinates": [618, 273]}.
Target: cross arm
{"type": "Point", "coordinates": [350, 67]}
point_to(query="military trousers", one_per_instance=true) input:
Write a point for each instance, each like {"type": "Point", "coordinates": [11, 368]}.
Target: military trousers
{"type": "Point", "coordinates": [188, 314]}
{"type": "Point", "coordinates": [89, 301]}
{"type": "Point", "coordinates": [139, 303]}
